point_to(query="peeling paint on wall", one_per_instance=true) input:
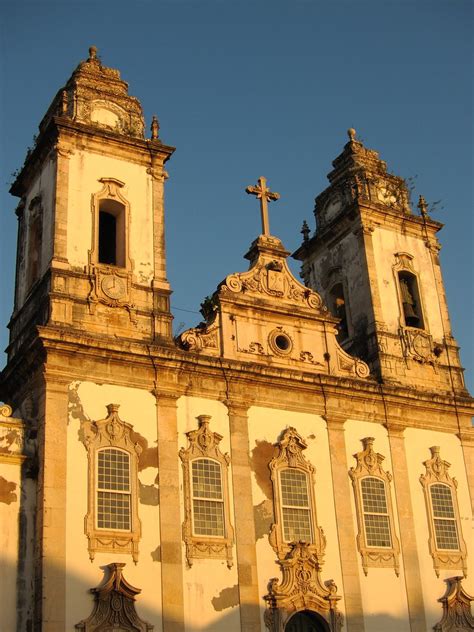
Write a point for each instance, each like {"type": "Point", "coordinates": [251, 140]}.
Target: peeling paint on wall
{"type": "Point", "coordinates": [261, 456]}
{"type": "Point", "coordinates": [156, 554]}
{"type": "Point", "coordinates": [263, 518]}
{"type": "Point", "coordinates": [7, 494]}
{"type": "Point", "coordinates": [75, 407]}
{"type": "Point", "coordinates": [9, 439]}
{"type": "Point", "coordinates": [227, 598]}
{"type": "Point", "coordinates": [148, 494]}
{"type": "Point", "coordinates": [311, 436]}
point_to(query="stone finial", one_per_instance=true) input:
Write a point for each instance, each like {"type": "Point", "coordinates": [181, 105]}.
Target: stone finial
{"type": "Point", "coordinates": [352, 134]}
{"type": "Point", "coordinates": [305, 231]}
{"type": "Point", "coordinates": [423, 207]}
{"type": "Point", "coordinates": [155, 128]}
{"type": "Point", "coordinates": [92, 53]}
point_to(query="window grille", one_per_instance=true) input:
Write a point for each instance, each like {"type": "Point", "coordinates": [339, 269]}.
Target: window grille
{"type": "Point", "coordinates": [296, 512]}
{"type": "Point", "coordinates": [376, 517]}
{"type": "Point", "coordinates": [113, 490]}
{"type": "Point", "coordinates": [208, 500]}
{"type": "Point", "coordinates": [444, 517]}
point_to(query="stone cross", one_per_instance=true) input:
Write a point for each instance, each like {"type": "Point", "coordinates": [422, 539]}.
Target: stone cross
{"type": "Point", "coordinates": [263, 194]}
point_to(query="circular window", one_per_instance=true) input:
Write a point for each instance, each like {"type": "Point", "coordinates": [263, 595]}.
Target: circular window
{"type": "Point", "coordinates": [280, 342]}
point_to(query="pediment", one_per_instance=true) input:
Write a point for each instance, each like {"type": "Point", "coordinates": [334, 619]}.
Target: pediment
{"type": "Point", "coordinates": [265, 315]}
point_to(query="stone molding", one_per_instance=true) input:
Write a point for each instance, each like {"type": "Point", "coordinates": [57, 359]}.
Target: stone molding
{"type": "Point", "coordinates": [457, 613]}
{"type": "Point", "coordinates": [369, 464]}
{"type": "Point", "coordinates": [203, 443]}
{"type": "Point", "coordinates": [301, 589]}
{"type": "Point", "coordinates": [437, 472]}
{"type": "Point", "coordinates": [12, 437]}
{"type": "Point", "coordinates": [111, 432]}
{"type": "Point", "coordinates": [114, 605]}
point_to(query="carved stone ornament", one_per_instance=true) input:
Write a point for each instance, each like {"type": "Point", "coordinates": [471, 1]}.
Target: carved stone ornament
{"type": "Point", "coordinates": [437, 472]}
{"type": "Point", "coordinates": [289, 454]}
{"type": "Point", "coordinates": [457, 615]}
{"type": "Point", "coordinates": [269, 278]}
{"type": "Point", "coordinates": [12, 437]}
{"type": "Point", "coordinates": [203, 443]}
{"type": "Point", "coordinates": [301, 589]}
{"type": "Point", "coordinates": [200, 338]}
{"type": "Point", "coordinates": [369, 464]}
{"type": "Point", "coordinates": [107, 433]}
{"type": "Point", "coordinates": [114, 605]}
{"type": "Point", "coordinates": [96, 95]}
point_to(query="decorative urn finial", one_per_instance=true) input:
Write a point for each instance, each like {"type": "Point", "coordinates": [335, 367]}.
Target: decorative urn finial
{"type": "Point", "coordinates": [423, 206]}
{"type": "Point", "coordinates": [155, 128]}
{"type": "Point", "coordinates": [352, 134]}
{"type": "Point", "coordinates": [92, 52]}
{"type": "Point", "coordinates": [305, 231]}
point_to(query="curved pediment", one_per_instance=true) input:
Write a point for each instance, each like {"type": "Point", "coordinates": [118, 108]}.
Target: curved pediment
{"type": "Point", "coordinates": [266, 316]}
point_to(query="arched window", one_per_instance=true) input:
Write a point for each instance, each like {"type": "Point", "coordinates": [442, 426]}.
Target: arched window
{"type": "Point", "coordinates": [306, 622]}
{"type": "Point", "coordinates": [446, 543]}
{"type": "Point", "coordinates": [113, 507]}
{"type": "Point", "coordinates": [112, 523]}
{"type": "Point", "coordinates": [376, 539]}
{"type": "Point", "coordinates": [376, 516]}
{"type": "Point", "coordinates": [208, 498]}
{"type": "Point", "coordinates": [207, 531]}
{"type": "Point", "coordinates": [111, 233]}
{"type": "Point", "coordinates": [339, 308]}
{"type": "Point", "coordinates": [410, 298]}
{"type": "Point", "coordinates": [295, 506]}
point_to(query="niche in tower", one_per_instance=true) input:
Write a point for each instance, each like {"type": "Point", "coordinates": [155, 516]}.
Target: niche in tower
{"type": "Point", "coordinates": [111, 237]}
{"type": "Point", "coordinates": [339, 309]}
{"type": "Point", "coordinates": [410, 299]}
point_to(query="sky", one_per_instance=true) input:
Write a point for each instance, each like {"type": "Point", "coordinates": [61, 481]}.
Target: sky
{"type": "Point", "coordinates": [244, 89]}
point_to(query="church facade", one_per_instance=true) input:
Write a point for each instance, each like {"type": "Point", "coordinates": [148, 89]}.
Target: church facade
{"type": "Point", "coordinates": [300, 461]}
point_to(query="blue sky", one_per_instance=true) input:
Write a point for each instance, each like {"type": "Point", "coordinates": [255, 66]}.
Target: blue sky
{"type": "Point", "coordinates": [244, 89]}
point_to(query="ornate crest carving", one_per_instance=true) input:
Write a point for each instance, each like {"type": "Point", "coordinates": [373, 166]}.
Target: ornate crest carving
{"type": "Point", "coordinates": [111, 432]}
{"type": "Point", "coordinates": [369, 464]}
{"type": "Point", "coordinates": [437, 472]}
{"type": "Point", "coordinates": [114, 605]}
{"type": "Point", "coordinates": [301, 588]}
{"type": "Point", "coordinates": [457, 615]}
{"type": "Point", "coordinates": [201, 337]}
{"type": "Point", "coordinates": [204, 443]}
{"type": "Point", "coordinates": [289, 454]}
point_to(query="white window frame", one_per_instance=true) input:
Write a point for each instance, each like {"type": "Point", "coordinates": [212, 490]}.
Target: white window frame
{"type": "Point", "coordinates": [113, 491]}
{"type": "Point", "coordinates": [194, 497]}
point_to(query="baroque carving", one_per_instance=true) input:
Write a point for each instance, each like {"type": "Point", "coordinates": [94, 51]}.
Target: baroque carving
{"type": "Point", "coordinates": [270, 277]}
{"type": "Point", "coordinates": [457, 615]}
{"type": "Point", "coordinates": [301, 589]}
{"type": "Point", "coordinates": [369, 464]}
{"type": "Point", "coordinates": [437, 472]}
{"type": "Point", "coordinates": [107, 433]}
{"type": "Point", "coordinates": [114, 605]}
{"type": "Point", "coordinates": [204, 443]}
{"type": "Point", "coordinates": [200, 337]}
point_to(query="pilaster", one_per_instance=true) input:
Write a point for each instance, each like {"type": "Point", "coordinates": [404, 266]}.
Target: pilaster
{"type": "Point", "coordinates": [60, 220]}
{"type": "Point", "coordinates": [170, 518]}
{"type": "Point", "coordinates": [345, 527]}
{"type": "Point", "coordinates": [244, 518]}
{"type": "Point", "coordinates": [466, 437]}
{"type": "Point", "coordinates": [50, 606]}
{"type": "Point", "coordinates": [406, 524]}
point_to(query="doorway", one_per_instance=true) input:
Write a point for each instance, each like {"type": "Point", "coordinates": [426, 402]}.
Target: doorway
{"type": "Point", "coordinates": [306, 621]}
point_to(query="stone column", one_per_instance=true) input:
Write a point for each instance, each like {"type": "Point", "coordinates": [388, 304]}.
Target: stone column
{"type": "Point", "coordinates": [406, 522]}
{"type": "Point", "coordinates": [345, 525]}
{"type": "Point", "coordinates": [170, 518]}
{"type": "Point", "coordinates": [50, 572]}
{"type": "Point", "coordinates": [244, 521]}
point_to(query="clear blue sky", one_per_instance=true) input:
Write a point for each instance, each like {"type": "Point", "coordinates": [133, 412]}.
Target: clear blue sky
{"type": "Point", "coordinates": [244, 89]}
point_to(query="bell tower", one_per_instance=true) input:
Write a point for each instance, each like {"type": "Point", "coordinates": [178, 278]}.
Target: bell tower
{"type": "Point", "coordinates": [91, 247]}
{"type": "Point", "coordinates": [376, 264]}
